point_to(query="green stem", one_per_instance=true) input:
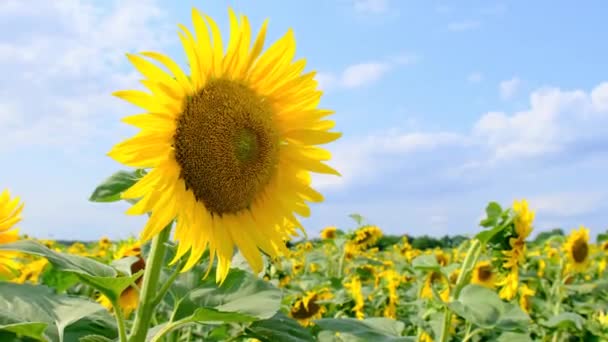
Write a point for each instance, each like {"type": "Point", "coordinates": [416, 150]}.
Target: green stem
{"type": "Point", "coordinates": [557, 293]}
{"type": "Point", "coordinates": [169, 327]}
{"type": "Point", "coordinates": [167, 285]}
{"type": "Point", "coordinates": [120, 321]}
{"type": "Point", "coordinates": [341, 261]}
{"type": "Point", "coordinates": [463, 278]}
{"type": "Point", "coordinates": [146, 305]}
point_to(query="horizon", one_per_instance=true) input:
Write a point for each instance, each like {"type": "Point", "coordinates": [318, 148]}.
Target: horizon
{"type": "Point", "coordinates": [443, 108]}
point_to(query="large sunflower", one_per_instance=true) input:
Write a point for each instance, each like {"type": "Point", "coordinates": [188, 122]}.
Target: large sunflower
{"type": "Point", "coordinates": [10, 214]}
{"type": "Point", "coordinates": [231, 145]}
{"type": "Point", "coordinates": [577, 249]}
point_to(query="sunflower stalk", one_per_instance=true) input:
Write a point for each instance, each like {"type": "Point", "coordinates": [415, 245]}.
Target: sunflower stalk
{"type": "Point", "coordinates": [463, 278]}
{"type": "Point", "coordinates": [148, 291]}
{"type": "Point", "coordinates": [120, 321]}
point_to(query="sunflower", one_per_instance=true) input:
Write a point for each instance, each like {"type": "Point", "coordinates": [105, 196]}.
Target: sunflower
{"type": "Point", "coordinates": [231, 146]}
{"type": "Point", "coordinates": [392, 280]}
{"type": "Point", "coordinates": [31, 271]}
{"type": "Point", "coordinates": [442, 258]}
{"type": "Point", "coordinates": [367, 236]}
{"type": "Point", "coordinates": [129, 298]}
{"type": "Point", "coordinates": [483, 274]}
{"type": "Point", "coordinates": [577, 249]}
{"type": "Point", "coordinates": [329, 233]}
{"type": "Point", "coordinates": [509, 284]}
{"type": "Point", "coordinates": [524, 298]}
{"type": "Point", "coordinates": [10, 214]}
{"type": "Point", "coordinates": [522, 221]}
{"type": "Point", "coordinates": [307, 307]}
{"type": "Point", "coordinates": [433, 278]}
{"type": "Point", "coordinates": [354, 287]}
{"type": "Point", "coordinates": [128, 248]}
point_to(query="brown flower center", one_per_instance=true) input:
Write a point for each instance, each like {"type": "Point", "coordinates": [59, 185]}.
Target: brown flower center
{"type": "Point", "coordinates": [226, 145]}
{"type": "Point", "coordinates": [580, 250]}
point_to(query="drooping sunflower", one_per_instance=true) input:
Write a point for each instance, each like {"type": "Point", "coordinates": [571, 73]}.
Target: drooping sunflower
{"type": "Point", "coordinates": [525, 293]}
{"type": "Point", "coordinates": [435, 278]}
{"type": "Point", "coordinates": [329, 233]}
{"type": "Point", "coordinates": [10, 214]}
{"type": "Point", "coordinates": [308, 307]}
{"type": "Point", "coordinates": [231, 146]}
{"type": "Point", "coordinates": [129, 298]}
{"type": "Point", "coordinates": [354, 287]}
{"type": "Point", "coordinates": [484, 274]}
{"type": "Point", "coordinates": [577, 249]}
{"type": "Point", "coordinates": [367, 236]}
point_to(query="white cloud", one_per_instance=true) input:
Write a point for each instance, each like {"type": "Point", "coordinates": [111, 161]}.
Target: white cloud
{"type": "Point", "coordinates": [475, 77]}
{"type": "Point", "coordinates": [362, 74]}
{"type": "Point", "coordinates": [378, 152]}
{"type": "Point", "coordinates": [371, 6]}
{"type": "Point", "coordinates": [63, 60]}
{"type": "Point", "coordinates": [509, 88]}
{"type": "Point", "coordinates": [465, 25]}
{"type": "Point", "coordinates": [359, 74]}
{"type": "Point", "coordinates": [565, 204]}
{"type": "Point", "coordinates": [599, 97]}
{"type": "Point", "coordinates": [555, 119]}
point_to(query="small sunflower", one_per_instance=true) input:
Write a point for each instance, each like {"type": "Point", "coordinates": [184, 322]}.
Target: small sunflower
{"type": "Point", "coordinates": [329, 233]}
{"type": "Point", "coordinates": [10, 214]}
{"type": "Point", "coordinates": [129, 298]}
{"type": "Point", "coordinates": [509, 284]}
{"type": "Point", "coordinates": [367, 236]}
{"type": "Point", "coordinates": [442, 258]}
{"type": "Point", "coordinates": [31, 271]}
{"type": "Point", "coordinates": [577, 249]}
{"type": "Point", "coordinates": [431, 279]}
{"type": "Point", "coordinates": [231, 146]}
{"type": "Point", "coordinates": [484, 274]}
{"type": "Point", "coordinates": [525, 293]}
{"type": "Point", "coordinates": [307, 308]}
{"type": "Point", "coordinates": [604, 246]}
{"type": "Point", "coordinates": [354, 287]}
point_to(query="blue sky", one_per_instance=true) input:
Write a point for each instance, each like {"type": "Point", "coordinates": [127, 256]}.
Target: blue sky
{"type": "Point", "coordinates": [443, 106]}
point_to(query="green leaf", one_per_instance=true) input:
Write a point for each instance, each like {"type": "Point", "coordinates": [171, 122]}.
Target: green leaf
{"type": "Point", "coordinates": [565, 320]}
{"type": "Point", "coordinates": [362, 330]}
{"type": "Point", "coordinates": [514, 337]}
{"type": "Point", "coordinates": [110, 286]}
{"type": "Point", "coordinates": [23, 303]}
{"type": "Point", "coordinates": [63, 262]}
{"type": "Point", "coordinates": [110, 189]}
{"type": "Point", "coordinates": [483, 307]}
{"type": "Point", "coordinates": [33, 330]}
{"type": "Point", "coordinates": [209, 315]}
{"type": "Point", "coordinates": [427, 262]}
{"type": "Point", "coordinates": [357, 218]}
{"type": "Point", "coordinates": [59, 280]}
{"type": "Point", "coordinates": [94, 338]}
{"type": "Point", "coordinates": [100, 276]}
{"type": "Point", "coordinates": [241, 293]}
{"type": "Point", "coordinates": [279, 328]}
{"type": "Point", "coordinates": [124, 265]}
{"type": "Point", "coordinates": [487, 235]}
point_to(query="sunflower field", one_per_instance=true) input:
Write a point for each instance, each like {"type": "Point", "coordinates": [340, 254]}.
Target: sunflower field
{"type": "Point", "coordinates": [222, 168]}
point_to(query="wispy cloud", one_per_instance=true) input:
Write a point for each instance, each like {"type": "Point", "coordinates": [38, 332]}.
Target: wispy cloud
{"type": "Point", "coordinates": [475, 77]}
{"type": "Point", "coordinates": [362, 74]}
{"type": "Point", "coordinates": [62, 75]}
{"type": "Point", "coordinates": [464, 25]}
{"type": "Point", "coordinates": [371, 6]}
{"type": "Point", "coordinates": [508, 88]}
